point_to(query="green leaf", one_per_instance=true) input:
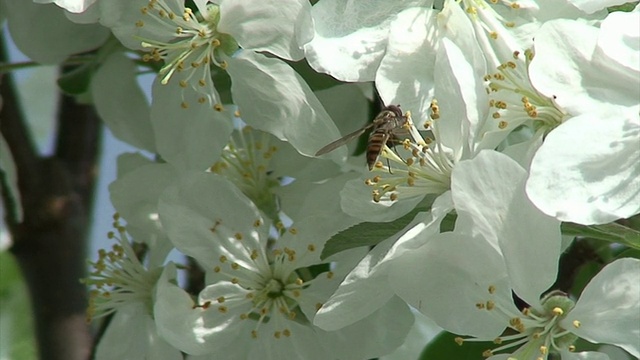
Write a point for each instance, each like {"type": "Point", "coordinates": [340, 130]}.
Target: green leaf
{"type": "Point", "coordinates": [222, 82]}
{"type": "Point", "coordinates": [16, 323]}
{"type": "Point", "coordinates": [445, 347]}
{"type": "Point", "coordinates": [366, 234]}
{"type": "Point", "coordinates": [77, 80]}
{"type": "Point", "coordinates": [613, 233]}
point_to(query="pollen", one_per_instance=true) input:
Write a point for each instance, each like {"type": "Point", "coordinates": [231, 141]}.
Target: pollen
{"type": "Point", "coordinates": [576, 324]}
{"type": "Point", "coordinates": [557, 311]}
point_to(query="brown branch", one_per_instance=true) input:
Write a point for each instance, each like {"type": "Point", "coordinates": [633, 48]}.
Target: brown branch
{"type": "Point", "coordinates": [49, 244]}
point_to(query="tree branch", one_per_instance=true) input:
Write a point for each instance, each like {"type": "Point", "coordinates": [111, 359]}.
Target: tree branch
{"type": "Point", "coordinates": [57, 193]}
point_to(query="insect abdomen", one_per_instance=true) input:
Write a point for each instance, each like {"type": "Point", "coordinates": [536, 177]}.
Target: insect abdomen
{"type": "Point", "coordinates": [377, 139]}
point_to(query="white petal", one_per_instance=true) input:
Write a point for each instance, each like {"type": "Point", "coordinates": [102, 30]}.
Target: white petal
{"type": "Point", "coordinates": [377, 334]}
{"type": "Point", "coordinates": [567, 69]}
{"type": "Point", "coordinates": [584, 355]}
{"type": "Point", "coordinates": [196, 330]}
{"type": "Point", "coordinates": [460, 99]}
{"type": "Point", "coordinates": [589, 174]}
{"type": "Point", "coordinates": [591, 6]}
{"type": "Point", "coordinates": [74, 6]}
{"type": "Point", "coordinates": [34, 28]}
{"type": "Point", "coordinates": [483, 189]}
{"type": "Point", "coordinates": [619, 41]}
{"type": "Point", "coordinates": [366, 288]}
{"type": "Point", "coordinates": [609, 307]}
{"type": "Point", "coordinates": [448, 276]}
{"type": "Point", "coordinates": [121, 103]}
{"type": "Point", "coordinates": [135, 195]}
{"type": "Point", "coordinates": [272, 97]}
{"type": "Point", "coordinates": [264, 25]}
{"type": "Point", "coordinates": [405, 75]}
{"type": "Point", "coordinates": [132, 334]}
{"type": "Point", "coordinates": [494, 197]}
{"type": "Point", "coordinates": [191, 137]}
{"type": "Point", "coordinates": [423, 331]}
{"type": "Point", "coordinates": [350, 38]}
{"type": "Point", "coordinates": [202, 215]}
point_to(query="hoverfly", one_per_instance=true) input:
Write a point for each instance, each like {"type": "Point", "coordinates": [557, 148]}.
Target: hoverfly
{"type": "Point", "coordinates": [385, 127]}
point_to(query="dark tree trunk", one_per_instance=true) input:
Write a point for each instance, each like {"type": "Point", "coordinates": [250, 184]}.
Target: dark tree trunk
{"type": "Point", "coordinates": [49, 244]}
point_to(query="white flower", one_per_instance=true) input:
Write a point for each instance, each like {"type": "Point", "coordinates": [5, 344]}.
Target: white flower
{"type": "Point", "coordinates": [586, 171]}
{"type": "Point", "coordinates": [489, 187]}
{"type": "Point", "coordinates": [475, 299]}
{"type": "Point", "coordinates": [459, 128]}
{"type": "Point", "coordinates": [395, 43]}
{"type": "Point", "coordinates": [217, 40]}
{"type": "Point", "coordinates": [502, 245]}
{"type": "Point", "coordinates": [260, 300]}
{"type": "Point", "coordinates": [122, 285]}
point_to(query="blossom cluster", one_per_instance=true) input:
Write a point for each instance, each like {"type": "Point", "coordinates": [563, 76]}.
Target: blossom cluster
{"type": "Point", "coordinates": [501, 123]}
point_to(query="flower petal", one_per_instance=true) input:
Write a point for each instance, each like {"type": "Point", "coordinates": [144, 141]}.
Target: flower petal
{"type": "Point", "coordinates": [34, 28]}
{"type": "Point", "coordinates": [194, 329]}
{"type": "Point", "coordinates": [567, 68]}
{"type": "Point", "coordinates": [594, 180]}
{"type": "Point", "coordinates": [350, 38]}
{"type": "Point", "coordinates": [264, 25]}
{"type": "Point", "coordinates": [272, 97]}
{"type": "Point", "coordinates": [74, 6]}
{"type": "Point", "coordinates": [121, 103]}
{"type": "Point", "coordinates": [608, 309]}
{"type": "Point", "coordinates": [206, 217]}
{"type": "Point", "coordinates": [447, 277]}
{"type": "Point", "coordinates": [405, 75]}
{"type": "Point", "coordinates": [189, 134]}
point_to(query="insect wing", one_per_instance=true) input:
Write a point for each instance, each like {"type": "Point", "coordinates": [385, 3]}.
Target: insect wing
{"type": "Point", "coordinates": [343, 140]}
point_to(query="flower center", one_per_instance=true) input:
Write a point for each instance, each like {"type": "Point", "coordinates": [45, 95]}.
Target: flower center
{"type": "Point", "coordinates": [514, 101]}
{"type": "Point", "coordinates": [538, 329]}
{"type": "Point", "coordinates": [272, 281]}
{"type": "Point", "coordinates": [188, 43]}
{"type": "Point", "coordinates": [245, 162]}
{"type": "Point", "coordinates": [119, 278]}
